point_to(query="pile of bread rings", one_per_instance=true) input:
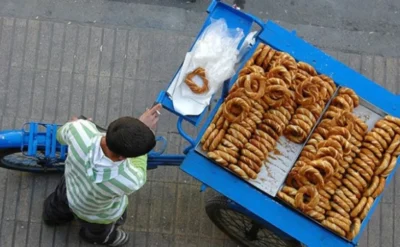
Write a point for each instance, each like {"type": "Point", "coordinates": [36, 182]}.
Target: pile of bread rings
{"type": "Point", "coordinates": [343, 168]}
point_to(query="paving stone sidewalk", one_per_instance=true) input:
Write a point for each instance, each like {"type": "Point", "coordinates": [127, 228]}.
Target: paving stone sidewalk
{"type": "Point", "coordinates": [50, 71]}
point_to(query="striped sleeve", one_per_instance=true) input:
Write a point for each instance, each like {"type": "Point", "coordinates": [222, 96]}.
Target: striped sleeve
{"type": "Point", "coordinates": [70, 130]}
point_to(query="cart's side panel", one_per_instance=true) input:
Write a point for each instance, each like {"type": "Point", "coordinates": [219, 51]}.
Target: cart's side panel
{"type": "Point", "coordinates": [260, 204]}
{"type": "Point", "coordinates": [281, 39]}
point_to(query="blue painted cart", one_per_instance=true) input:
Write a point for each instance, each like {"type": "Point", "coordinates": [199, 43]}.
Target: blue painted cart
{"type": "Point", "coordinates": [247, 215]}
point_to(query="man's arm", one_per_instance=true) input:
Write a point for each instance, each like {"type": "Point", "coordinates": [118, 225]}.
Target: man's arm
{"type": "Point", "coordinates": [140, 166]}
{"type": "Point", "coordinates": [63, 134]}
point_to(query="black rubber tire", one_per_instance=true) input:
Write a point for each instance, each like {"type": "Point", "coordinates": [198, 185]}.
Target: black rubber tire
{"type": "Point", "coordinates": [217, 204]}
{"type": "Point", "coordinates": [13, 159]}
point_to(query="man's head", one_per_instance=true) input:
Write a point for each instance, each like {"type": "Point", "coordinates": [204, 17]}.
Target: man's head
{"type": "Point", "coordinates": [128, 137]}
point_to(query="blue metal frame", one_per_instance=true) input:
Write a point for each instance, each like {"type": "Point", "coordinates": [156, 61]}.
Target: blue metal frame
{"type": "Point", "coordinates": [30, 139]}
{"type": "Point", "coordinates": [264, 207]}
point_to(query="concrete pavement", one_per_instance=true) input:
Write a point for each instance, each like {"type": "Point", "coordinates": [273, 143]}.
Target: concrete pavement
{"type": "Point", "coordinates": [51, 69]}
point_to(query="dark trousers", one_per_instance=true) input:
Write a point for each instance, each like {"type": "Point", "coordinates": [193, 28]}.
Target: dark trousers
{"type": "Point", "coordinates": [56, 212]}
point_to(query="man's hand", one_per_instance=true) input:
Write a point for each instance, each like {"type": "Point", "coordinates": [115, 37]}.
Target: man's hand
{"type": "Point", "coordinates": [150, 116]}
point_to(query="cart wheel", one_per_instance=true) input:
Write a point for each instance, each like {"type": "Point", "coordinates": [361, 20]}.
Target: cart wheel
{"type": "Point", "coordinates": [241, 228]}
{"type": "Point", "coordinates": [14, 159]}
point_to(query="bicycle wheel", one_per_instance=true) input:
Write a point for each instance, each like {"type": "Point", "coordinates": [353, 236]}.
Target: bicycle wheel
{"type": "Point", "coordinates": [243, 229]}
{"type": "Point", "coordinates": [14, 159]}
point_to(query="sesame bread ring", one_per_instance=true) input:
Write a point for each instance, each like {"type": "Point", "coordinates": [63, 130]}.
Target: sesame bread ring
{"type": "Point", "coordinates": [234, 140]}
{"type": "Point", "coordinates": [307, 93]}
{"type": "Point", "coordinates": [355, 182]}
{"type": "Point", "coordinates": [394, 144]}
{"type": "Point", "coordinates": [312, 193]}
{"type": "Point", "coordinates": [331, 142]}
{"type": "Point", "coordinates": [340, 102]}
{"type": "Point", "coordinates": [355, 229]}
{"type": "Point", "coordinates": [324, 168]}
{"type": "Point", "coordinates": [389, 169]}
{"type": "Point", "coordinates": [210, 139]}
{"type": "Point", "coordinates": [260, 146]}
{"type": "Point", "coordinates": [364, 166]}
{"type": "Point", "coordinates": [338, 216]}
{"type": "Point", "coordinates": [360, 206]}
{"type": "Point", "coordinates": [238, 103]}
{"type": "Point", "coordinates": [200, 72]}
{"type": "Point", "coordinates": [351, 93]}
{"type": "Point", "coordinates": [339, 209]}
{"type": "Point", "coordinates": [357, 176]}
{"type": "Point", "coordinates": [253, 165]}
{"type": "Point", "coordinates": [255, 150]}
{"type": "Point", "coordinates": [249, 172]}
{"type": "Point", "coordinates": [270, 146]}
{"type": "Point", "coordinates": [217, 140]}
{"type": "Point", "coordinates": [333, 227]}
{"type": "Point", "coordinates": [372, 187]}
{"type": "Point", "coordinates": [349, 195]}
{"type": "Point", "coordinates": [341, 224]}
{"type": "Point", "coordinates": [255, 104]}
{"type": "Point", "coordinates": [254, 86]}
{"type": "Point", "coordinates": [281, 73]}
{"type": "Point", "coordinates": [316, 215]}
{"type": "Point", "coordinates": [394, 126]}
{"type": "Point", "coordinates": [341, 131]}
{"type": "Point", "coordinates": [279, 115]}
{"type": "Point", "coordinates": [304, 118]}
{"type": "Point", "coordinates": [383, 134]}
{"type": "Point", "coordinates": [329, 151]}
{"type": "Point", "coordinates": [286, 198]}
{"type": "Point", "coordinates": [270, 116]}
{"type": "Point", "coordinates": [207, 133]}
{"type": "Point", "coordinates": [221, 161]}
{"type": "Point", "coordinates": [229, 145]}
{"type": "Point", "coordinates": [293, 180]}
{"type": "Point", "coordinates": [324, 201]}
{"type": "Point", "coordinates": [336, 181]}
{"type": "Point", "coordinates": [268, 130]}
{"type": "Point", "coordinates": [219, 124]}
{"type": "Point", "coordinates": [362, 172]}
{"type": "Point", "coordinates": [380, 188]}
{"type": "Point", "coordinates": [252, 156]}
{"type": "Point", "coordinates": [307, 113]}
{"type": "Point", "coordinates": [250, 70]}
{"type": "Point", "coordinates": [289, 191]}
{"type": "Point", "coordinates": [394, 120]}
{"type": "Point", "coordinates": [228, 150]}
{"type": "Point", "coordinates": [384, 164]}
{"type": "Point", "coordinates": [246, 133]}
{"type": "Point", "coordinates": [312, 175]}
{"type": "Point", "coordinates": [342, 196]}
{"type": "Point", "coordinates": [324, 194]}
{"type": "Point", "coordinates": [285, 112]}
{"type": "Point", "coordinates": [251, 123]}
{"type": "Point", "coordinates": [367, 160]}
{"type": "Point", "coordinates": [373, 149]}
{"type": "Point", "coordinates": [351, 187]}
{"type": "Point", "coordinates": [382, 124]}
{"type": "Point", "coordinates": [226, 156]}
{"type": "Point", "coordinates": [370, 155]}
{"type": "Point", "coordinates": [276, 95]}
{"type": "Point", "coordinates": [341, 203]}
{"type": "Point", "coordinates": [238, 171]}
{"type": "Point", "coordinates": [303, 124]}
{"type": "Point", "coordinates": [307, 68]}
{"type": "Point", "coordinates": [277, 127]}
{"type": "Point", "coordinates": [372, 138]}
{"type": "Point", "coordinates": [295, 134]}
{"type": "Point", "coordinates": [367, 207]}
{"type": "Point", "coordinates": [254, 118]}
{"type": "Point", "coordinates": [262, 55]}
{"type": "Point", "coordinates": [238, 135]}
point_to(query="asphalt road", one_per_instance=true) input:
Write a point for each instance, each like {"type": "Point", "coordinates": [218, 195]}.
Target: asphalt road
{"type": "Point", "coordinates": [357, 26]}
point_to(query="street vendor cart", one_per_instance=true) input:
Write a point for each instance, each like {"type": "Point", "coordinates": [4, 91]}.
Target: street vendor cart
{"type": "Point", "coordinates": [299, 146]}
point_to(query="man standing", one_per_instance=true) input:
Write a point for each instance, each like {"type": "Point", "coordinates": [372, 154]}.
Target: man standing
{"type": "Point", "coordinates": [100, 172]}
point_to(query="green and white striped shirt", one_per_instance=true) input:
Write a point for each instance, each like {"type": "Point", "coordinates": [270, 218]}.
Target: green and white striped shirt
{"type": "Point", "coordinates": [96, 193]}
